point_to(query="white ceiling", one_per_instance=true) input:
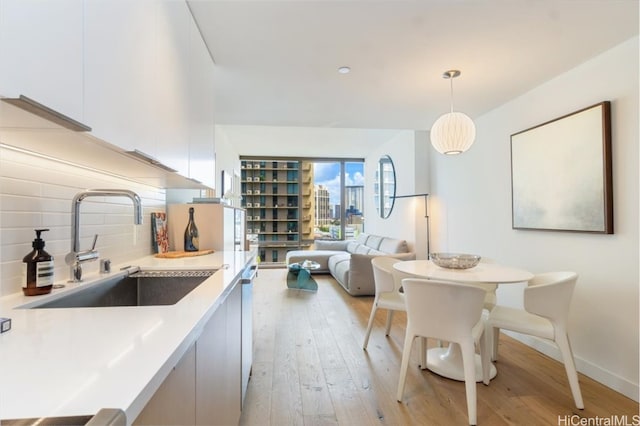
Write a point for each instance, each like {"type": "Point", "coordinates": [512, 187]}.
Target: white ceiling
{"type": "Point", "coordinates": [277, 61]}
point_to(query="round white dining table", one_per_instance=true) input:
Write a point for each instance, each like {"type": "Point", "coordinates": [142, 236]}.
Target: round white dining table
{"type": "Point", "coordinates": [447, 361]}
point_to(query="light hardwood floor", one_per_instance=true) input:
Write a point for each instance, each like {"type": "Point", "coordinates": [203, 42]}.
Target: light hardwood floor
{"type": "Point", "coordinates": [309, 368]}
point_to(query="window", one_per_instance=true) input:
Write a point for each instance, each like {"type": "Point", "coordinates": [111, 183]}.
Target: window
{"type": "Point", "coordinates": [291, 203]}
{"type": "Point", "coordinates": [339, 199]}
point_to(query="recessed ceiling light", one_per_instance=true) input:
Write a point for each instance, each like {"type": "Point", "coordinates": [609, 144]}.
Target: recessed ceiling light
{"type": "Point", "coordinates": [344, 70]}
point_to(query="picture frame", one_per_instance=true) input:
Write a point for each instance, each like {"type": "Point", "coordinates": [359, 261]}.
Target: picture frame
{"type": "Point", "coordinates": [561, 173]}
{"type": "Point", "coordinates": [227, 182]}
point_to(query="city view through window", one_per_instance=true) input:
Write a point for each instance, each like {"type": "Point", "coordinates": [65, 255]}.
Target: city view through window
{"type": "Point", "coordinates": [335, 206]}
{"type": "Point", "coordinates": [290, 203]}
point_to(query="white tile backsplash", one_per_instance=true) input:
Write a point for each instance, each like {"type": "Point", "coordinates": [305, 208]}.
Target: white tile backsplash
{"type": "Point", "coordinates": [19, 187]}
{"type": "Point", "coordinates": [37, 193]}
{"type": "Point", "coordinates": [15, 203]}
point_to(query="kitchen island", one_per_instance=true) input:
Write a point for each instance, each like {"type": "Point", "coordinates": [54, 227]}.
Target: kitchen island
{"type": "Point", "coordinates": [76, 361]}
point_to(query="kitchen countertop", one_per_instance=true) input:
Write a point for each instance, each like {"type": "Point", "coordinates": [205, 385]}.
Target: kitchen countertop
{"type": "Point", "coordinates": [75, 361]}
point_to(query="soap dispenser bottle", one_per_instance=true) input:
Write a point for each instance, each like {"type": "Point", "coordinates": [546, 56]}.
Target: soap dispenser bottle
{"type": "Point", "coordinates": [38, 268]}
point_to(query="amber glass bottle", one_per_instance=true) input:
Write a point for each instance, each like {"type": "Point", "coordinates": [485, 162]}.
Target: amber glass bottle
{"type": "Point", "coordinates": [38, 268]}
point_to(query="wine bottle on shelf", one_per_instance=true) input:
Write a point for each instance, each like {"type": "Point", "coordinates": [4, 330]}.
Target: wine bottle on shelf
{"type": "Point", "coordinates": [191, 234]}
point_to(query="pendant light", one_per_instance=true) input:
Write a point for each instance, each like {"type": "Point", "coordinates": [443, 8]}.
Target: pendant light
{"type": "Point", "coordinates": [452, 133]}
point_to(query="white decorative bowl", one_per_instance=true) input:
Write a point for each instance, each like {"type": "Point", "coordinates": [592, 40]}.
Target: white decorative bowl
{"type": "Point", "coordinates": [455, 260]}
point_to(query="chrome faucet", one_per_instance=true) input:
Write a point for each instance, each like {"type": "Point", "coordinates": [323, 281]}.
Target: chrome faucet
{"type": "Point", "coordinates": [76, 258]}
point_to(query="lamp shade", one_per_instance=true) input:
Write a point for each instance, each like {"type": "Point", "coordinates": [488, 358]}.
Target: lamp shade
{"type": "Point", "coordinates": [453, 133]}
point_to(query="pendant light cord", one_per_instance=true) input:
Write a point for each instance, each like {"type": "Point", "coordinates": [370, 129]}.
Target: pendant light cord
{"type": "Point", "coordinates": [450, 75]}
{"type": "Point", "coordinates": [451, 94]}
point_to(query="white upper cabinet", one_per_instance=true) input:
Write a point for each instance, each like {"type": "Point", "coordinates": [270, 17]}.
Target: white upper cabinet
{"type": "Point", "coordinates": [201, 98]}
{"type": "Point", "coordinates": [137, 72]}
{"type": "Point", "coordinates": [41, 53]}
{"type": "Point", "coordinates": [145, 85]}
{"type": "Point", "coordinates": [121, 81]}
{"type": "Point", "coordinates": [172, 73]}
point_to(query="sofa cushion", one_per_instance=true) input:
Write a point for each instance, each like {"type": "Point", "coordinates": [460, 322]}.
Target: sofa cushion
{"type": "Point", "coordinates": [362, 249]}
{"type": "Point", "coordinates": [374, 241]}
{"type": "Point", "coordinates": [337, 258]}
{"type": "Point", "coordinates": [392, 245]}
{"type": "Point", "coordinates": [339, 265]}
{"type": "Point", "coordinates": [377, 252]}
{"type": "Point", "coordinates": [352, 246]}
{"type": "Point", "coordinates": [320, 256]}
{"type": "Point", "coordinates": [330, 245]}
{"type": "Point", "coordinates": [362, 238]}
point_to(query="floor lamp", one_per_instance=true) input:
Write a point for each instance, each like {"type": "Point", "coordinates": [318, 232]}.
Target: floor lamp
{"type": "Point", "coordinates": [426, 215]}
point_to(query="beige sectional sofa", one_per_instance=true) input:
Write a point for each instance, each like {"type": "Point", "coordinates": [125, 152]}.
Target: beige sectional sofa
{"type": "Point", "coordinates": [349, 262]}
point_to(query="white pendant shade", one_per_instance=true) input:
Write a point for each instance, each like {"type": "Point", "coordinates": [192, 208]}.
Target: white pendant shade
{"type": "Point", "coordinates": [453, 133]}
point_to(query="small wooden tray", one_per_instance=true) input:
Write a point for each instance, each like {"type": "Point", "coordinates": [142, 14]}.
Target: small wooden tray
{"type": "Point", "coordinates": [178, 254]}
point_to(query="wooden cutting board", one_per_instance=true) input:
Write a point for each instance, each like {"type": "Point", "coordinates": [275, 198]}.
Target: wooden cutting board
{"type": "Point", "coordinates": [178, 254]}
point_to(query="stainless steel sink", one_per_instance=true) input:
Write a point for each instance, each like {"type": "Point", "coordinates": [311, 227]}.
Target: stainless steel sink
{"type": "Point", "coordinates": [146, 288]}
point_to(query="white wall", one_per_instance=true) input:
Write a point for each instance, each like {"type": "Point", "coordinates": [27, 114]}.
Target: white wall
{"type": "Point", "coordinates": [37, 193]}
{"type": "Point", "coordinates": [403, 222]}
{"type": "Point", "coordinates": [471, 212]}
{"type": "Point", "coordinates": [227, 157]}
{"type": "Point", "coordinates": [302, 141]}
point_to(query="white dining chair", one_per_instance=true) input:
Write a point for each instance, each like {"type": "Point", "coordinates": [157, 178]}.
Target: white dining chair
{"type": "Point", "coordinates": [546, 310]}
{"type": "Point", "coordinates": [490, 299]}
{"type": "Point", "coordinates": [452, 312]}
{"type": "Point", "coordinates": [388, 295]}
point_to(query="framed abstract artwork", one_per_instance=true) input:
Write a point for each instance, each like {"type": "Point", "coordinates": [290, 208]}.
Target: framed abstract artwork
{"type": "Point", "coordinates": [561, 177]}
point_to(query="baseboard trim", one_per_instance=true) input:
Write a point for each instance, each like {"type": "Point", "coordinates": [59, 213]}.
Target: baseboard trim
{"type": "Point", "coordinates": [600, 375]}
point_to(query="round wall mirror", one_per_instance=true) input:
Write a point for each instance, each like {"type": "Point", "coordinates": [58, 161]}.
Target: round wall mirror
{"type": "Point", "coordinates": [385, 186]}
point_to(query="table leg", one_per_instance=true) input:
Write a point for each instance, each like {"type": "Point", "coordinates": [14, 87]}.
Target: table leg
{"type": "Point", "coordinates": [302, 281]}
{"type": "Point", "coordinates": [447, 362]}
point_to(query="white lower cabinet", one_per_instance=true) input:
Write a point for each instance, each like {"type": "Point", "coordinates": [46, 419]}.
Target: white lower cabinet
{"type": "Point", "coordinates": [174, 403]}
{"type": "Point", "coordinates": [204, 388]}
{"type": "Point", "coordinates": [218, 360]}
{"type": "Point", "coordinates": [247, 336]}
